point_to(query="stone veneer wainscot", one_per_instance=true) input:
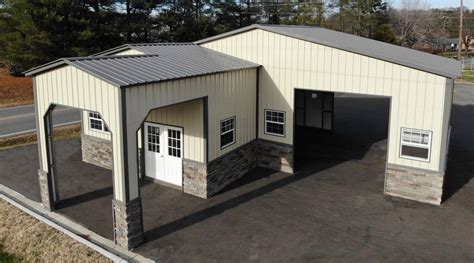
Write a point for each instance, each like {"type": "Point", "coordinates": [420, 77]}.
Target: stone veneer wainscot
{"type": "Point", "coordinates": [414, 184]}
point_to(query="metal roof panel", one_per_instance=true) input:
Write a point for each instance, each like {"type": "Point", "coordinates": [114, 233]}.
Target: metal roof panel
{"type": "Point", "coordinates": [168, 62]}
{"type": "Point", "coordinates": [360, 45]}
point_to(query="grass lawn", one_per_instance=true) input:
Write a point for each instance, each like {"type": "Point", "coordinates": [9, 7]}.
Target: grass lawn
{"type": "Point", "coordinates": [25, 239]}
{"type": "Point", "coordinates": [5, 258]}
{"type": "Point", "coordinates": [62, 133]}
{"type": "Point", "coordinates": [468, 76]}
{"type": "Point", "coordinates": [15, 91]}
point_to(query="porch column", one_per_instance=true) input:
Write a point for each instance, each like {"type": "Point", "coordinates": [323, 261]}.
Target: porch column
{"type": "Point", "coordinates": [127, 205]}
{"type": "Point", "coordinates": [47, 164]}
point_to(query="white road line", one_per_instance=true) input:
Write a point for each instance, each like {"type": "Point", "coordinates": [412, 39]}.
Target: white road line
{"type": "Point", "coordinates": [12, 108]}
{"type": "Point", "coordinates": [34, 130]}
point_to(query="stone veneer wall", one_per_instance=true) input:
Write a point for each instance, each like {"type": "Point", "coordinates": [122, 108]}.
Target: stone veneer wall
{"type": "Point", "coordinates": [205, 180]}
{"type": "Point", "coordinates": [230, 167]}
{"type": "Point", "coordinates": [128, 223]}
{"type": "Point", "coordinates": [274, 155]}
{"type": "Point", "coordinates": [96, 151]}
{"type": "Point", "coordinates": [200, 179]}
{"type": "Point", "coordinates": [419, 185]}
{"type": "Point", "coordinates": [195, 178]}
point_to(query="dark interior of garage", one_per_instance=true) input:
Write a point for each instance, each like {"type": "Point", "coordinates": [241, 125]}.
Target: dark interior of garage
{"type": "Point", "coordinates": [339, 127]}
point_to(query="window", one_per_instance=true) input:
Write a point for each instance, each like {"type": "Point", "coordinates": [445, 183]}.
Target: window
{"type": "Point", "coordinates": [275, 122]}
{"type": "Point", "coordinates": [227, 132]}
{"type": "Point", "coordinates": [174, 143]}
{"type": "Point", "coordinates": [415, 144]}
{"type": "Point", "coordinates": [96, 122]}
{"type": "Point", "coordinates": [153, 139]}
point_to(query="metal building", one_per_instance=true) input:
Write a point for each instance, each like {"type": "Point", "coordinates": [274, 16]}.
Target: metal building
{"type": "Point", "coordinates": [198, 116]}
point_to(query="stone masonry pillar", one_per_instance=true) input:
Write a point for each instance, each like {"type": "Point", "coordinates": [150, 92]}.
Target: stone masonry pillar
{"type": "Point", "coordinates": [46, 190]}
{"type": "Point", "coordinates": [128, 223]}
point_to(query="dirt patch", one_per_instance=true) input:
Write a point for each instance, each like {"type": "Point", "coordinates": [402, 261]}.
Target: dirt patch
{"type": "Point", "coordinates": [15, 91]}
{"type": "Point", "coordinates": [26, 238]}
{"type": "Point", "coordinates": [62, 133]}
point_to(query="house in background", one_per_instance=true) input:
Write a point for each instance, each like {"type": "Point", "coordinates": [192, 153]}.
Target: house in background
{"type": "Point", "coordinates": [198, 116]}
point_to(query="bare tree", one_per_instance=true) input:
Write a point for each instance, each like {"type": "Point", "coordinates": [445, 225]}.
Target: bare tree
{"type": "Point", "coordinates": [467, 32]}
{"type": "Point", "coordinates": [413, 22]}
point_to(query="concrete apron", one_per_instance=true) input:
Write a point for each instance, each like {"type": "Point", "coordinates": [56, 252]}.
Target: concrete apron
{"type": "Point", "coordinates": [79, 233]}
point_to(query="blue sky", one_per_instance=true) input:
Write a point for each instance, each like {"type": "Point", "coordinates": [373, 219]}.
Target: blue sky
{"type": "Point", "coordinates": [441, 3]}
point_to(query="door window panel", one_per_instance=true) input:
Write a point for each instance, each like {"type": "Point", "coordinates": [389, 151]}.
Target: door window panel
{"type": "Point", "coordinates": [153, 139]}
{"type": "Point", "coordinates": [174, 143]}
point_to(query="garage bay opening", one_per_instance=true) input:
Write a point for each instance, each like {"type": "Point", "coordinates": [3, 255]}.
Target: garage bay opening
{"type": "Point", "coordinates": [341, 129]}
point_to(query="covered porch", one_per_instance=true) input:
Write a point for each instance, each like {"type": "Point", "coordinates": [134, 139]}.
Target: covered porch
{"type": "Point", "coordinates": [127, 94]}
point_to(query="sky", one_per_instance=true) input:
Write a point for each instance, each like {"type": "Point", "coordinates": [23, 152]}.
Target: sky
{"type": "Point", "coordinates": [441, 3]}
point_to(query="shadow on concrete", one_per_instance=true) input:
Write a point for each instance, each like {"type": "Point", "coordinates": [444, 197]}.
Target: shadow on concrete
{"type": "Point", "coordinates": [353, 115]}
{"type": "Point", "coordinates": [85, 197]}
{"type": "Point", "coordinates": [460, 168]}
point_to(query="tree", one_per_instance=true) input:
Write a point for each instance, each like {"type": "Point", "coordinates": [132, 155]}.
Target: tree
{"type": "Point", "coordinates": [412, 22]}
{"type": "Point", "coordinates": [35, 32]}
{"type": "Point", "coordinates": [467, 32]}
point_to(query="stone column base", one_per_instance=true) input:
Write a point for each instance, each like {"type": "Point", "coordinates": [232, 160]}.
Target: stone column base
{"type": "Point", "coordinates": [96, 151]}
{"type": "Point", "coordinates": [414, 184]}
{"type": "Point", "coordinates": [45, 190]}
{"type": "Point", "coordinates": [128, 223]}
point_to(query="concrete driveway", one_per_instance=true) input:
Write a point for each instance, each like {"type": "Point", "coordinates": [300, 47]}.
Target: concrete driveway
{"type": "Point", "coordinates": [333, 209]}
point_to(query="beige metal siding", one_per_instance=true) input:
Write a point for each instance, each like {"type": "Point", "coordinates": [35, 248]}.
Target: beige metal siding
{"type": "Point", "coordinates": [417, 97]}
{"type": "Point", "coordinates": [189, 116]}
{"type": "Point", "coordinates": [229, 94]}
{"type": "Point", "coordinates": [72, 87]}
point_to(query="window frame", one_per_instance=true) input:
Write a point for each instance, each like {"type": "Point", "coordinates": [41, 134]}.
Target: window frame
{"type": "Point", "coordinates": [282, 123]}
{"type": "Point", "coordinates": [104, 129]}
{"type": "Point", "coordinates": [417, 145]}
{"type": "Point", "coordinates": [233, 130]}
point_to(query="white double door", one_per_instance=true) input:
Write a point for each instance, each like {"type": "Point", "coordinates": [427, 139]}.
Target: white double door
{"type": "Point", "coordinates": [164, 153]}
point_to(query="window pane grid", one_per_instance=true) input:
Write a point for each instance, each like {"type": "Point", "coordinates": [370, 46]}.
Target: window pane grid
{"type": "Point", "coordinates": [153, 139]}
{"type": "Point", "coordinates": [275, 122]}
{"type": "Point", "coordinates": [96, 122]}
{"type": "Point", "coordinates": [174, 143]}
{"type": "Point", "coordinates": [227, 132]}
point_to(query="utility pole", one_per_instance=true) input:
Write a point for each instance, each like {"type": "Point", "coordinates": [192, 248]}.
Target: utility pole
{"type": "Point", "coordinates": [460, 30]}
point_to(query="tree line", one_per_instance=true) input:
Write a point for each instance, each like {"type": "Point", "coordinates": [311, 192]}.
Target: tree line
{"type": "Point", "coordinates": [35, 32]}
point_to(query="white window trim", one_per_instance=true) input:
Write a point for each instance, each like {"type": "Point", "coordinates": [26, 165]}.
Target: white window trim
{"type": "Point", "coordinates": [276, 122]}
{"type": "Point", "coordinates": [418, 145]}
{"type": "Point", "coordinates": [231, 130]}
{"type": "Point", "coordinates": [96, 119]}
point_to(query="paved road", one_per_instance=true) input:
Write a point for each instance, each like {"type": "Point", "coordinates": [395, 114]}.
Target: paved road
{"type": "Point", "coordinates": [21, 119]}
{"type": "Point", "coordinates": [464, 94]}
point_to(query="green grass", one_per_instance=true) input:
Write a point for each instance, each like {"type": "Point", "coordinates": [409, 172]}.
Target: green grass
{"type": "Point", "coordinates": [449, 54]}
{"type": "Point", "coordinates": [468, 76]}
{"type": "Point", "coordinates": [7, 258]}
